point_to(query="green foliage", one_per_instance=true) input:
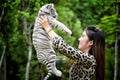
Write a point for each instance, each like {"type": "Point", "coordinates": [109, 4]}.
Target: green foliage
{"type": "Point", "coordinates": [72, 22]}
{"type": "Point", "coordinates": [108, 24]}
{"type": "Point", "coordinates": [109, 62]}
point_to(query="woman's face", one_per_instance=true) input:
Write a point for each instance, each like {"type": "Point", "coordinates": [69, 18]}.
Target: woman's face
{"type": "Point", "coordinates": [84, 43]}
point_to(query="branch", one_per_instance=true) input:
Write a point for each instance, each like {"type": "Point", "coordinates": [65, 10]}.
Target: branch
{"type": "Point", "coordinates": [29, 28]}
{"type": "Point", "coordinates": [3, 53]}
{"type": "Point", "coordinates": [25, 29]}
{"type": "Point", "coordinates": [2, 15]}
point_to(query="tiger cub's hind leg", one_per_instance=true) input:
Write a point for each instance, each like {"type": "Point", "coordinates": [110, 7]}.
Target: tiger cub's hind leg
{"type": "Point", "coordinates": [48, 58]}
{"type": "Point", "coordinates": [52, 69]}
{"type": "Point", "coordinates": [56, 71]}
{"type": "Point", "coordinates": [52, 64]}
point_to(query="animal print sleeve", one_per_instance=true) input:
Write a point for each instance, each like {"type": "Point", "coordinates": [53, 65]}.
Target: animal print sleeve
{"type": "Point", "coordinates": [70, 51]}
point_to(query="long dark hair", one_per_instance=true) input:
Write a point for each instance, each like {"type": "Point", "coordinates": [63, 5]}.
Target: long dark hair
{"type": "Point", "coordinates": [97, 49]}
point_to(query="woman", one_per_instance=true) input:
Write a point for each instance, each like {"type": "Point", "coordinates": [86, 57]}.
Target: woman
{"type": "Point", "coordinates": [89, 59]}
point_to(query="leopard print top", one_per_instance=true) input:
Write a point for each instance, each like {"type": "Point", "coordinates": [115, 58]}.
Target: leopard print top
{"type": "Point", "coordinates": [84, 66]}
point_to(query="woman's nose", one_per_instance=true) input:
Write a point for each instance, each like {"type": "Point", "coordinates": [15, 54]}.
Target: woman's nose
{"type": "Point", "coordinates": [78, 40]}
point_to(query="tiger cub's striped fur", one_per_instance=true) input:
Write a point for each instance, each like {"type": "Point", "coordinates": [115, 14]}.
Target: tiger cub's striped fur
{"type": "Point", "coordinates": [41, 41]}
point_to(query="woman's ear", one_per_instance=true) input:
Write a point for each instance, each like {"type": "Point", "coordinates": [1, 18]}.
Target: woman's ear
{"type": "Point", "coordinates": [91, 42]}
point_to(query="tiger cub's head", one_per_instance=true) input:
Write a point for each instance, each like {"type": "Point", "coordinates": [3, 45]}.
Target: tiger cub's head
{"type": "Point", "coordinates": [49, 10]}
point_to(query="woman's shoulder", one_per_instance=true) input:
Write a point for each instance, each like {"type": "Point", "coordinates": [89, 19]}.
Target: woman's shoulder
{"type": "Point", "coordinates": [86, 57]}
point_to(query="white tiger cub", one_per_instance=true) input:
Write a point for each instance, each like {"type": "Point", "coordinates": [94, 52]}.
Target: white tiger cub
{"type": "Point", "coordinates": [41, 41]}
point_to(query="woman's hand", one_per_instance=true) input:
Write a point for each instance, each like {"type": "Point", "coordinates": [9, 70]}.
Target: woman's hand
{"type": "Point", "coordinates": [44, 22]}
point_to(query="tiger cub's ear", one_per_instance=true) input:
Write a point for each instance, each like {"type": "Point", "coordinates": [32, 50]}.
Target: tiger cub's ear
{"type": "Point", "coordinates": [49, 6]}
{"type": "Point", "coordinates": [52, 4]}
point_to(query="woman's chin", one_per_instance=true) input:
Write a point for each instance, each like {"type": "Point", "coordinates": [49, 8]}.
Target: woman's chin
{"type": "Point", "coordinates": [79, 47]}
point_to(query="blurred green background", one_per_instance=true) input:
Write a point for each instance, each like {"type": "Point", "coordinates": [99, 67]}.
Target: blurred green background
{"type": "Point", "coordinates": [17, 55]}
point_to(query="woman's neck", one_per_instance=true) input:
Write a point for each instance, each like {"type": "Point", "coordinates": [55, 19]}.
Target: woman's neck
{"type": "Point", "coordinates": [86, 50]}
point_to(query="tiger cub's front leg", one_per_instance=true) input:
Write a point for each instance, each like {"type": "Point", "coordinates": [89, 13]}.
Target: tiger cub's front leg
{"type": "Point", "coordinates": [57, 24]}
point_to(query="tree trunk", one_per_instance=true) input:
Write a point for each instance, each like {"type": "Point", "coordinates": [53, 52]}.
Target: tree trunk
{"type": "Point", "coordinates": [27, 33]}
{"type": "Point", "coordinates": [3, 60]}
{"type": "Point", "coordinates": [5, 70]}
{"type": "Point", "coordinates": [117, 5]}
{"type": "Point", "coordinates": [28, 62]}
{"type": "Point", "coordinates": [3, 53]}
{"type": "Point", "coordinates": [116, 56]}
